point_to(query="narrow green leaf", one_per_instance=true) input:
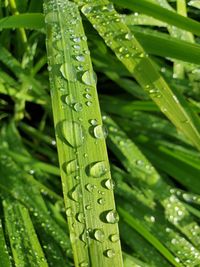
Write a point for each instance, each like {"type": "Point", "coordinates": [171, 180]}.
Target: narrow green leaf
{"type": "Point", "coordinates": [162, 14]}
{"type": "Point", "coordinates": [155, 242]}
{"type": "Point", "coordinates": [4, 255]}
{"type": "Point", "coordinates": [22, 235]}
{"type": "Point", "coordinates": [28, 21]}
{"type": "Point", "coordinates": [80, 140]}
{"type": "Point", "coordinates": [135, 59]}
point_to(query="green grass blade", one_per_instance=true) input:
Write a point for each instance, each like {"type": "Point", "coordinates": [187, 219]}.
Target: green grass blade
{"type": "Point", "coordinates": [161, 44]}
{"type": "Point", "coordinates": [162, 14]}
{"type": "Point", "coordinates": [132, 55]}
{"type": "Point", "coordinates": [140, 229]}
{"type": "Point", "coordinates": [80, 140]}
{"type": "Point", "coordinates": [33, 21]}
{"type": "Point", "coordinates": [4, 255]}
{"type": "Point", "coordinates": [22, 235]}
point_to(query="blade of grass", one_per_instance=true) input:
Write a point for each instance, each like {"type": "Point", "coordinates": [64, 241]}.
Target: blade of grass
{"type": "Point", "coordinates": [4, 255]}
{"type": "Point", "coordinates": [80, 139]}
{"type": "Point", "coordinates": [33, 21]}
{"type": "Point", "coordinates": [162, 14]}
{"type": "Point", "coordinates": [140, 229]}
{"type": "Point", "coordinates": [138, 63]}
{"type": "Point", "coordinates": [22, 235]}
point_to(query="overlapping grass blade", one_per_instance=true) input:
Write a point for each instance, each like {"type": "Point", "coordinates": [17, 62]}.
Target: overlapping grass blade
{"type": "Point", "coordinates": [162, 14]}
{"type": "Point", "coordinates": [138, 63]}
{"type": "Point", "coordinates": [22, 235]}
{"type": "Point", "coordinates": [80, 140]}
{"type": "Point", "coordinates": [29, 21]}
{"type": "Point", "coordinates": [4, 255]}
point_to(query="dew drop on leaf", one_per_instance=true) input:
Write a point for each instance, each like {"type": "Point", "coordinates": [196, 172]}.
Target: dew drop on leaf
{"type": "Point", "coordinates": [69, 212]}
{"type": "Point", "coordinates": [89, 78]}
{"type": "Point", "coordinates": [100, 131]}
{"type": "Point", "coordinates": [78, 107]}
{"type": "Point", "coordinates": [112, 216]}
{"type": "Point", "coordinates": [84, 264]}
{"type": "Point", "coordinates": [90, 187]}
{"type": "Point", "coordinates": [80, 58]}
{"type": "Point", "coordinates": [114, 238]}
{"type": "Point", "coordinates": [101, 201]}
{"type": "Point", "coordinates": [73, 133]}
{"type": "Point", "coordinates": [51, 17]}
{"type": "Point", "coordinates": [72, 166]}
{"type": "Point", "coordinates": [98, 169]}
{"type": "Point", "coordinates": [110, 253]}
{"type": "Point", "coordinates": [68, 72]}
{"type": "Point", "coordinates": [80, 217]}
{"type": "Point", "coordinates": [93, 122]}
{"type": "Point", "coordinates": [99, 235]}
{"type": "Point", "coordinates": [109, 184]}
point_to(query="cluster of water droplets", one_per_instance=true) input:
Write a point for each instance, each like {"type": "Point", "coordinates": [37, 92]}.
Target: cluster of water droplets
{"type": "Point", "coordinates": [103, 15]}
{"type": "Point", "coordinates": [74, 135]}
{"type": "Point", "coordinates": [184, 251]}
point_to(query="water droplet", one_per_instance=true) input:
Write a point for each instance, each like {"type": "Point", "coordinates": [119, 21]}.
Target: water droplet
{"type": "Point", "coordinates": [67, 72]}
{"type": "Point", "coordinates": [75, 193]}
{"type": "Point", "coordinates": [100, 131]}
{"type": "Point", "coordinates": [88, 207]}
{"type": "Point", "coordinates": [90, 187]}
{"type": "Point", "coordinates": [81, 217]}
{"type": "Point", "coordinates": [89, 78]}
{"type": "Point", "coordinates": [98, 169]}
{"type": "Point", "coordinates": [78, 107]}
{"type": "Point", "coordinates": [110, 253]}
{"type": "Point", "coordinates": [51, 17]}
{"type": "Point", "coordinates": [114, 238]}
{"type": "Point", "coordinates": [88, 96]}
{"type": "Point", "coordinates": [93, 122]}
{"type": "Point", "coordinates": [80, 58]}
{"type": "Point", "coordinates": [88, 103]}
{"type": "Point", "coordinates": [139, 162]}
{"type": "Point", "coordinates": [86, 9]}
{"type": "Point", "coordinates": [112, 217]}
{"type": "Point", "coordinates": [73, 133]}
{"type": "Point", "coordinates": [77, 39]}
{"type": "Point", "coordinates": [101, 201]}
{"type": "Point", "coordinates": [99, 235]}
{"type": "Point", "coordinates": [77, 47]}
{"type": "Point", "coordinates": [69, 212]}
{"type": "Point", "coordinates": [84, 264]}
{"type": "Point", "coordinates": [110, 184]}
{"type": "Point", "coordinates": [128, 36]}
{"type": "Point", "coordinates": [71, 166]}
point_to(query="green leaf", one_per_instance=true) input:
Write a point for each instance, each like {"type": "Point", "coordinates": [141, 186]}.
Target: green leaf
{"type": "Point", "coordinates": [80, 135]}
{"type": "Point", "coordinates": [33, 21]}
{"type": "Point", "coordinates": [162, 14]}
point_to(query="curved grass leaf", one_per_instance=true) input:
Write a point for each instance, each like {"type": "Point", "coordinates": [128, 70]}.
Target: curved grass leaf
{"type": "Point", "coordinates": [135, 59]}
{"type": "Point", "coordinates": [80, 140]}
{"type": "Point", "coordinates": [28, 21]}
{"type": "Point", "coordinates": [162, 14]}
{"type": "Point", "coordinates": [140, 229]}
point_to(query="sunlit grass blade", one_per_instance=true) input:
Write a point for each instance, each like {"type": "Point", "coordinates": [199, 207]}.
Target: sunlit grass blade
{"type": "Point", "coordinates": [22, 235]}
{"type": "Point", "coordinates": [138, 165]}
{"type": "Point", "coordinates": [142, 68]}
{"type": "Point", "coordinates": [80, 140]}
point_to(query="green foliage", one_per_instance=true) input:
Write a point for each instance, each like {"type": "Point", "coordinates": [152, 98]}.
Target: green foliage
{"type": "Point", "coordinates": [63, 201]}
